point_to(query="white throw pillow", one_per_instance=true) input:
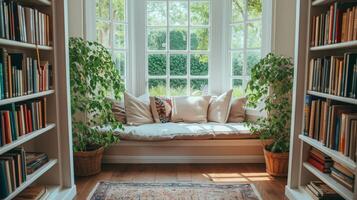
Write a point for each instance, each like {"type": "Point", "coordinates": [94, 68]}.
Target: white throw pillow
{"type": "Point", "coordinates": [137, 110]}
{"type": "Point", "coordinates": [191, 109]}
{"type": "Point", "coordinates": [219, 108]}
{"type": "Point", "coordinates": [237, 113]}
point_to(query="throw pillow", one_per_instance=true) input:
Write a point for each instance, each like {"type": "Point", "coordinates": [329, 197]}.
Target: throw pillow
{"type": "Point", "coordinates": [118, 111]}
{"type": "Point", "coordinates": [237, 113]}
{"type": "Point", "coordinates": [137, 111]}
{"type": "Point", "coordinates": [219, 108]}
{"type": "Point", "coordinates": [161, 108]}
{"type": "Point", "coordinates": [192, 109]}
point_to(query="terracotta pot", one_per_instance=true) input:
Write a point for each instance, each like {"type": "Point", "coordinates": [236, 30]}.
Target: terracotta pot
{"type": "Point", "coordinates": [87, 163]}
{"type": "Point", "coordinates": [276, 163]}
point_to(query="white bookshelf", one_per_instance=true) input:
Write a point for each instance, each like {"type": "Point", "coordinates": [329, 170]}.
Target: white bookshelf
{"type": "Point", "coordinates": [300, 171]}
{"type": "Point", "coordinates": [55, 139]}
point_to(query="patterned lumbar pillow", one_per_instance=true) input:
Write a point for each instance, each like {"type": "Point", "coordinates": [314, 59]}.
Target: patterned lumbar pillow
{"type": "Point", "coordinates": [161, 108]}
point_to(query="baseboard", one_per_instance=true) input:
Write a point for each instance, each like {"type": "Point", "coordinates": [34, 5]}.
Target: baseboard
{"type": "Point", "coordinates": [65, 193]}
{"type": "Point", "coordinates": [183, 159]}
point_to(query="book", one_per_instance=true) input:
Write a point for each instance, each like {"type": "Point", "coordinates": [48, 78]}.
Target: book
{"type": "Point", "coordinates": [35, 192]}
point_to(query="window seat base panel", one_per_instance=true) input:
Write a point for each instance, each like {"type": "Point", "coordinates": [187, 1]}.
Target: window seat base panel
{"type": "Point", "coordinates": [186, 151]}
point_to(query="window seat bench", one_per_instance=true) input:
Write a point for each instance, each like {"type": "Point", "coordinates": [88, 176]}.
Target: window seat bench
{"type": "Point", "coordinates": [186, 143]}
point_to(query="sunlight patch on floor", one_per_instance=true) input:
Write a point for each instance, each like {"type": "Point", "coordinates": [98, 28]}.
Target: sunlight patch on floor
{"type": "Point", "coordinates": [237, 177]}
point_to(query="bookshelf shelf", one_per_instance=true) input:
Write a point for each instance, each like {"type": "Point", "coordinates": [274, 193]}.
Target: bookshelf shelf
{"type": "Point", "coordinates": [26, 97]}
{"type": "Point", "coordinates": [25, 138]}
{"type": "Point", "coordinates": [333, 97]}
{"type": "Point", "coordinates": [33, 177]}
{"type": "Point", "coordinates": [341, 190]}
{"type": "Point", "coordinates": [17, 44]}
{"type": "Point", "coordinates": [342, 45]}
{"type": "Point", "coordinates": [335, 155]}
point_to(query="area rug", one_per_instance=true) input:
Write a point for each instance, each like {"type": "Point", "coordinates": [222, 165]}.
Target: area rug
{"type": "Point", "coordinates": [172, 191]}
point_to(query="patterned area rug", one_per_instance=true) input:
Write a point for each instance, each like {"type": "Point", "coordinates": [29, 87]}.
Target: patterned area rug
{"type": "Point", "coordinates": [172, 191]}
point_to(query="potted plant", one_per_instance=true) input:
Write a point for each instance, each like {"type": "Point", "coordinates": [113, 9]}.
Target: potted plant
{"type": "Point", "coordinates": [93, 77]}
{"type": "Point", "coordinates": [271, 85]}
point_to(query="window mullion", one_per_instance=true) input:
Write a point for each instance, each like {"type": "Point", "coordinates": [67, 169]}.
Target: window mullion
{"type": "Point", "coordinates": [188, 67]}
{"type": "Point", "coordinates": [167, 49]}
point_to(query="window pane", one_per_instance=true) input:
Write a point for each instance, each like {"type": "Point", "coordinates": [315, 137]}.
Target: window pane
{"type": "Point", "coordinates": [199, 39]}
{"type": "Point", "coordinates": [254, 34]}
{"type": "Point", "coordinates": [237, 63]}
{"type": "Point", "coordinates": [178, 13]}
{"type": "Point", "coordinates": [199, 65]}
{"type": "Point", "coordinates": [199, 13]}
{"type": "Point", "coordinates": [103, 33]}
{"type": "Point", "coordinates": [178, 39]}
{"type": "Point", "coordinates": [254, 9]}
{"type": "Point", "coordinates": [156, 13]}
{"type": "Point", "coordinates": [238, 8]}
{"type": "Point", "coordinates": [102, 9]}
{"type": "Point", "coordinates": [238, 36]}
{"type": "Point", "coordinates": [178, 65]}
{"type": "Point", "coordinates": [178, 87]}
{"type": "Point", "coordinates": [157, 39]}
{"type": "Point", "coordinates": [157, 64]}
{"type": "Point", "coordinates": [157, 87]}
{"type": "Point", "coordinates": [118, 10]}
{"type": "Point", "coordinates": [238, 89]}
{"type": "Point", "coordinates": [199, 87]}
{"type": "Point", "coordinates": [253, 58]}
{"type": "Point", "coordinates": [119, 59]}
{"type": "Point", "coordinates": [119, 36]}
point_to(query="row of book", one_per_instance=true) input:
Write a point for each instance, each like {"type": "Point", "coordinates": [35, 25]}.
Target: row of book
{"type": "Point", "coordinates": [325, 164]}
{"type": "Point", "coordinates": [17, 120]}
{"type": "Point", "coordinates": [23, 24]}
{"type": "Point", "coordinates": [338, 24]}
{"type": "Point", "coordinates": [12, 171]}
{"type": "Point", "coordinates": [336, 75]}
{"type": "Point", "coordinates": [332, 123]}
{"type": "Point", "coordinates": [318, 190]}
{"type": "Point", "coordinates": [15, 166]}
{"type": "Point", "coordinates": [22, 75]}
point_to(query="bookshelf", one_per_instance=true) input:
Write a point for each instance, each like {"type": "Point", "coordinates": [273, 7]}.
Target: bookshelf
{"type": "Point", "coordinates": [55, 138]}
{"type": "Point", "coordinates": [301, 172]}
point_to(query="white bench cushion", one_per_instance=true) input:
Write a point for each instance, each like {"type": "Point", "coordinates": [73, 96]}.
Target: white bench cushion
{"type": "Point", "coordinates": [184, 131]}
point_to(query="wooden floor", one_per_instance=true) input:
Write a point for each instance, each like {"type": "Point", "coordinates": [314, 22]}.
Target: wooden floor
{"type": "Point", "coordinates": [269, 188]}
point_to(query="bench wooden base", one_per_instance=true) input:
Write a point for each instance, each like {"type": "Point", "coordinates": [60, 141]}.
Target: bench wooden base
{"type": "Point", "coordinates": [186, 151]}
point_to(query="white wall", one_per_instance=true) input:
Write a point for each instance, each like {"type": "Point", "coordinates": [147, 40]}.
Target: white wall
{"type": "Point", "coordinates": [283, 30]}
{"type": "Point", "coordinates": [75, 18]}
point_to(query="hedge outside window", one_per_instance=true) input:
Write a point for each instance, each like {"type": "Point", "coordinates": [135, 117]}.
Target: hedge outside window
{"type": "Point", "coordinates": [178, 47]}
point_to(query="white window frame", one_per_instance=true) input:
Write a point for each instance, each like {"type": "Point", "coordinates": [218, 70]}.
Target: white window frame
{"type": "Point", "coordinates": [188, 52]}
{"type": "Point", "coordinates": [90, 32]}
{"type": "Point", "coordinates": [219, 57]}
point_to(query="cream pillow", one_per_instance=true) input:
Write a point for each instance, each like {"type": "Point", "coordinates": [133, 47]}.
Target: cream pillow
{"type": "Point", "coordinates": [190, 109]}
{"type": "Point", "coordinates": [237, 113]}
{"type": "Point", "coordinates": [219, 108]}
{"type": "Point", "coordinates": [137, 110]}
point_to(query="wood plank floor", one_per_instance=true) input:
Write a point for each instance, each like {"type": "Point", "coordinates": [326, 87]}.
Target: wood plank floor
{"type": "Point", "coordinates": [269, 188]}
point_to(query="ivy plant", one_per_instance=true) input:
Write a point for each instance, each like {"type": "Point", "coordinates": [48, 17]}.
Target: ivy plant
{"type": "Point", "coordinates": [271, 83]}
{"type": "Point", "coordinates": [93, 77]}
